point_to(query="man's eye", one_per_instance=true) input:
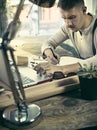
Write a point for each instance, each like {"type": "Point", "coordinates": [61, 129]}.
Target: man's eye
{"type": "Point", "coordinates": [72, 17]}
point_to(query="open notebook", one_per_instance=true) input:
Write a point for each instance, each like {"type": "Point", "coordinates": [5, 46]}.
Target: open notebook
{"type": "Point", "coordinates": [28, 75]}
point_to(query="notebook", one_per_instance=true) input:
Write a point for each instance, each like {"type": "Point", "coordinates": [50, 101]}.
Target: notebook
{"type": "Point", "coordinates": [28, 75]}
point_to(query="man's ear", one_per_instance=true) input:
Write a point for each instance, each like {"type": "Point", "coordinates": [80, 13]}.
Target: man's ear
{"type": "Point", "coordinates": [84, 8]}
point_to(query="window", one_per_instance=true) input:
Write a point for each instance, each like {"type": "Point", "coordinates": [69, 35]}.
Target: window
{"type": "Point", "coordinates": [35, 20]}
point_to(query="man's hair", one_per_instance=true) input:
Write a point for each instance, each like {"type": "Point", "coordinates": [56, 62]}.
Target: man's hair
{"type": "Point", "coordinates": [69, 4]}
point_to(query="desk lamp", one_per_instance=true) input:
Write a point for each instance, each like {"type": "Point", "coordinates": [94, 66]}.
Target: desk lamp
{"type": "Point", "coordinates": [20, 115]}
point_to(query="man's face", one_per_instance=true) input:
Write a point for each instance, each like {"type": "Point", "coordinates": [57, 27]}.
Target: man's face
{"type": "Point", "coordinates": [74, 18]}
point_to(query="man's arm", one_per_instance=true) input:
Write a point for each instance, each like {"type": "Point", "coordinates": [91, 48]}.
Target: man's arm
{"type": "Point", "coordinates": [51, 56]}
{"type": "Point", "coordinates": [48, 48]}
{"type": "Point", "coordinates": [47, 68]}
{"type": "Point", "coordinates": [70, 68]}
{"type": "Point", "coordinates": [88, 61]}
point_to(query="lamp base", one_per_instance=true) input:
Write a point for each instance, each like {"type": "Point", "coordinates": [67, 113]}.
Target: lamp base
{"type": "Point", "coordinates": [13, 119]}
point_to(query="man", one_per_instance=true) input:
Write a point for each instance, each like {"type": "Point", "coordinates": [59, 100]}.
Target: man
{"type": "Point", "coordinates": [78, 27]}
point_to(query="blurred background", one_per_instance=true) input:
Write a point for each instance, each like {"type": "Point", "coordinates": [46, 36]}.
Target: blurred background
{"type": "Point", "coordinates": [37, 25]}
{"type": "Point", "coordinates": [35, 20]}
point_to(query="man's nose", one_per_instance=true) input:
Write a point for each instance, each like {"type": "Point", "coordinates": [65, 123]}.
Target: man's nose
{"type": "Point", "coordinates": [68, 22]}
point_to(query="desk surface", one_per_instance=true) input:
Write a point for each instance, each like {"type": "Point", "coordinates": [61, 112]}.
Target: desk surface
{"type": "Point", "coordinates": [66, 112]}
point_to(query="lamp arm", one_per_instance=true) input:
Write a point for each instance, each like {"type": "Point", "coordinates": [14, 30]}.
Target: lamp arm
{"type": "Point", "coordinates": [24, 115]}
{"type": "Point", "coordinates": [19, 95]}
{"type": "Point", "coordinates": [14, 25]}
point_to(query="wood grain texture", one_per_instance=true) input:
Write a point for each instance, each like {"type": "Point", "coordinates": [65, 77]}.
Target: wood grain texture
{"type": "Point", "coordinates": [66, 112]}
{"type": "Point", "coordinates": [43, 90]}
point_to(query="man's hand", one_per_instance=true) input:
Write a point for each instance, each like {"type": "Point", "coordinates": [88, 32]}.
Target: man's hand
{"type": "Point", "coordinates": [51, 56]}
{"type": "Point", "coordinates": [45, 69]}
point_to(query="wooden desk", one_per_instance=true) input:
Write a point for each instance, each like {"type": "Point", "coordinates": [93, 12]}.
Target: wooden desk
{"type": "Point", "coordinates": [41, 91]}
{"type": "Point", "coordinates": [66, 112]}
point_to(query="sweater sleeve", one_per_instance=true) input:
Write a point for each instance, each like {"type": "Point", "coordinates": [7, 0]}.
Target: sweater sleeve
{"type": "Point", "coordinates": [56, 39]}
{"type": "Point", "coordinates": [88, 61]}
